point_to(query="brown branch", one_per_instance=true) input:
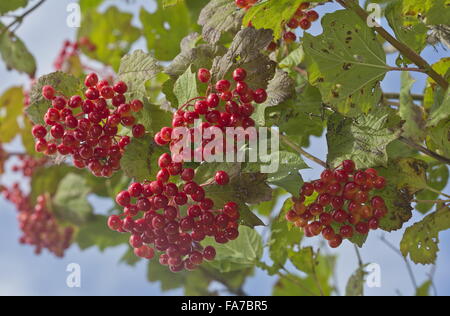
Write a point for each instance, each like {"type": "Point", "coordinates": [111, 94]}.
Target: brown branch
{"type": "Point", "coordinates": [402, 48]}
{"type": "Point", "coordinates": [396, 96]}
{"type": "Point", "coordinates": [407, 69]}
{"type": "Point", "coordinates": [424, 150]}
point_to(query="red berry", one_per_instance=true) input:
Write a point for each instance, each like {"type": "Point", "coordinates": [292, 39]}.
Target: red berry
{"type": "Point", "coordinates": [222, 178]}
{"type": "Point", "coordinates": [348, 166]}
{"type": "Point", "coordinates": [305, 24]}
{"type": "Point", "coordinates": [260, 96]}
{"type": "Point", "coordinates": [289, 37]}
{"type": "Point", "coordinates": [138, 131]}
{"type": "Point", "coordinates": [239, 74]}
{"type": "Point", "coordinates": [120, 87]}
{"type": "Point", "coordinates": [209, 253]}
{"type": "Point", "coordinates": [312, 15]}
{"type": "Point", "coordinates": [335, 242]}
{"type": "Point", "coordinates": [223, 86]}
{"type": "Point", "coordinates": [123, 198]}
{"type": "Point", "coordinates": [48, 92]}
{"type": "Point", "coordinates": [203, 75]}
{"type": "Point", "coordinates": [39, 131]}
{"type": "Point", "coordinates": [91, 80]}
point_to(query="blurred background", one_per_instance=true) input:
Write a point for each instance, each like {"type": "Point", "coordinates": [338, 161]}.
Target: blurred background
{"type": "Point", "coordinates": [23, 273]}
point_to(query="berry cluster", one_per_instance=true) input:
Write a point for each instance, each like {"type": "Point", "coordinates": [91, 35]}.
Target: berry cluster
{"type": "Point", "coordinates": [38, 225]}
{"type": "Point", "coordinates": [303, 18]}
{"type": "Point", "coordinates": [87, 128]}
{"type": "Point", "coordinates": [344, 205]}
{"type": "Point", "coordinates": [173, 214]}
{"type": "Point", "coordinates": [71, 49]}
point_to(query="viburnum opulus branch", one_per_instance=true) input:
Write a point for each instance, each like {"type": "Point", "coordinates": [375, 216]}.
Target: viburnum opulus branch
{"type": "Point", "coordinates": [345, 204]}
{"type": "Point", "coordinates": [86, 128]}
{"type": "Point", "coordinates": [173, 213]}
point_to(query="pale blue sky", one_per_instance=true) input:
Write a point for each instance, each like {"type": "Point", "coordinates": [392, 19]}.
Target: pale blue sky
{"type": "Point", "coordinates": [22, 273]}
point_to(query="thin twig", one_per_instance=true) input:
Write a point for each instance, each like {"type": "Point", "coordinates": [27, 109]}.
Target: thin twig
{"type": "Point", "coordinates": [424, 150]}
{"type": "Point", "coordinates": [20, 18]}
{"type": "Point", "coordinates": [408, 266]}
{"type": "Point", "coordinates": [407, 69]}
{"type": "Point", "coordinates": [430, 201]}
{"type": "Point", "coordinates": [396, 96]}
{"type": "Point", "coordinates": [405, 50]}
{"type": "Point", "coordinates": [299, 150]}
{"type": "Point", "coordinates": [437, 191]}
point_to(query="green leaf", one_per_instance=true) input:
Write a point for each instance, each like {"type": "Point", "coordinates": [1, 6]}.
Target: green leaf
{"type": "Point", "coordinates": [280, 89]}
{"type": "Point", "coordinates": [185, 87]}
{"type": "Point", "coordinates": [424, 289]}
{"type": "Point", "coordinates": [63, 83]}
{"type": "Point", "coordinates": [96, 233]}
{"type": "Point", "coordinates": [291, 284]}
{"type": "Point", "coordinates": [12, 5]}
{"type": "Point", "coordinates": [112, 32]}
{"type": "Point", "coordinates": [404, 176]}
{"type": "Point", "coordinates": [153, 117]}
{"type": "Point", "coordinates": [363, 139]}
{"type": "Point", "coordinates": [355, 285]}
{"type": "Point", "coordinates": [242, 253]}
{"type": "Point", "coordinates": [15, 54]}
{"type": "Point", "coordinates": [421, 240]}
{"type": "Point", "coordinates": [434, 94]}
{"type": "Point", "coordinates": [11, 107]}
{"type": "Point", "coordinates": [438, 138]}
{"type": "Point", "coordinates": [165, 28]}
{"type": "Point", "coordinates": [273, 14]}
{"type": "Point", "coordinates": [243, 189]}
{"type": "Point", "coordinates": [46, 180]}
{"type": "Point", "coordinates": [245, 52]}
{"type": "Point", "coordinates": [140, 158]}
{"type": "Point", "coordinates": [136, 69]}
{"type": "Point", "coordinates": [304, 110]}
{"type": "Point", "coordinates": [414, 127]}
{"type": "Point", "coordinates": [70, 201]}
{"type": "Point", "coordinates": [283, 237]}
{"type": "Point", "coordinates": [437, 176]}
{"type": "Point", "coordinates": [200, 56]}
{"type": "Point", "coordinates": [346, 62]}
{"type": "Point", "coordinates": [408, 30]}
{"type": "Point", "coordinates": [218, 17]}
{"type": "Point", "coordinates": [433, 11]}
{"type": "Point", "coordinates": [440, 113]}
{"type": "Point", "coordinates": [266, 208]}
{"type": "Point", "coordinates": [130, 258]}
{"type": "Point", "coordinates": [287, 174]}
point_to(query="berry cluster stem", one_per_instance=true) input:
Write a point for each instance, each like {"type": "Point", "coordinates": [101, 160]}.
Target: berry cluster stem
{"type": "Point", "coordinates": [405, 50]}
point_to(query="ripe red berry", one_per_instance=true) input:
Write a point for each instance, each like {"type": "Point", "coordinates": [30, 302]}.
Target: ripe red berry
{"type": "Point", "coordinates": [289, 37]}
{"type": "Point", "coordinates": [120, 87]}
{"type": "Point", "coordinates": [239, 74]}
{"type": "Point", "coordinates": [138, 131]}
{"type": "Point", "coordinates": [260, 96]}
{"type": "Point", "coordinates": [222, 178]}
{"type": "Point", "coordinates": [48, 92]}
{"type": "Point", "coordinates": [312, 16]}
{"type": "Point", "coordinates": [91, 80]}
{"type": "Point", "coordinates": [305, 24]}
{"type": "Point", "coordinates": [123, 198]}
{"type": "Point", "coordinates": [39, 131]}
{"type": "Point", "coordinates": [203, 75]}
{"type": "Point", "coordinates": [223, 86]}
{"type": "Point", "coordinates": [209, 253]}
